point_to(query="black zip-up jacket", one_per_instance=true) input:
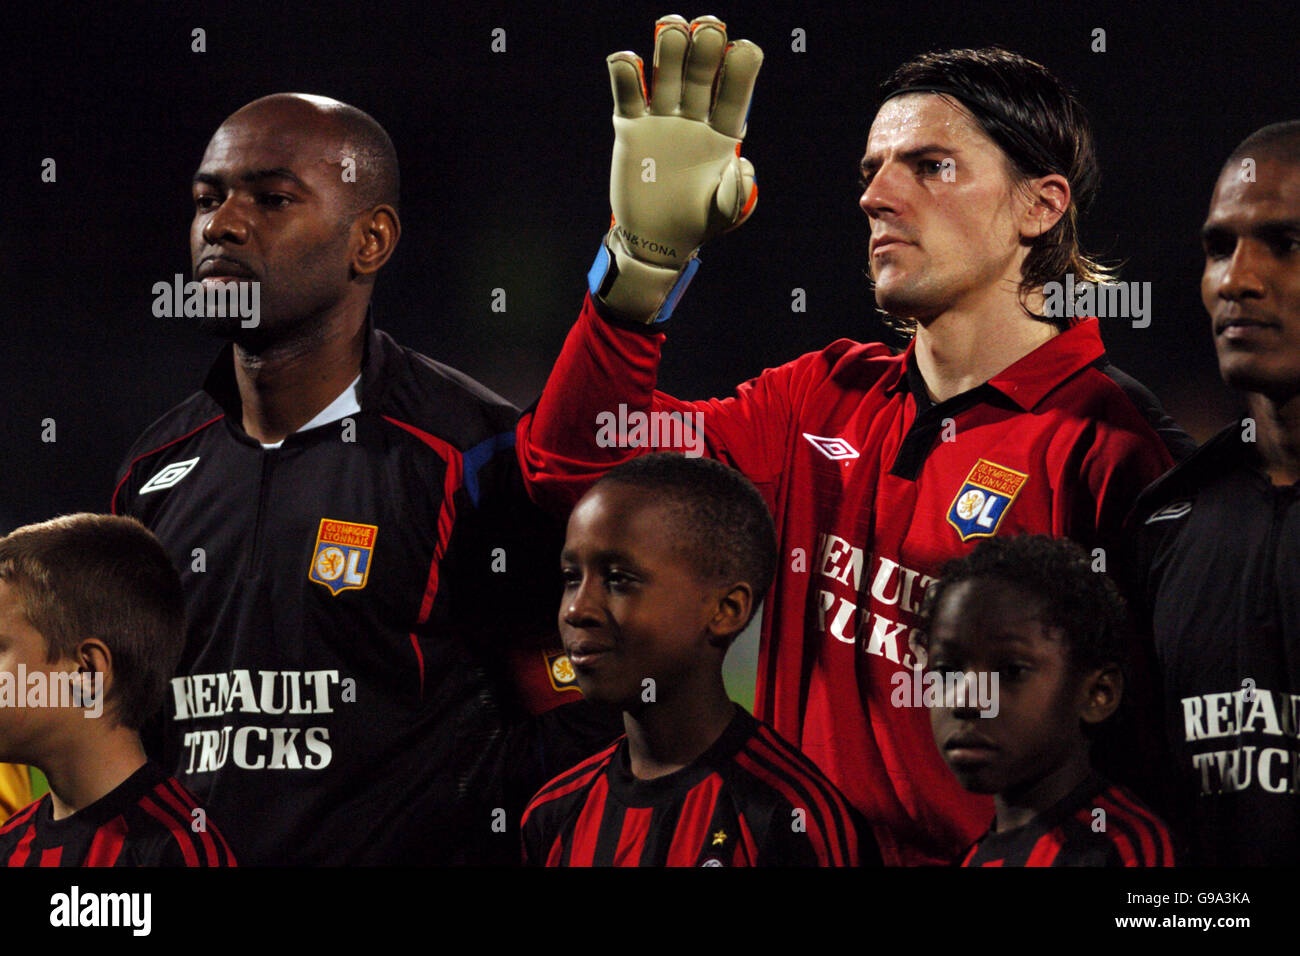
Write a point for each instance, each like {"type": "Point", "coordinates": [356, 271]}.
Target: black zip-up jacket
{"type": "Point", "coordinates": [1217, 583]}
{"type": "Point", "coordinates": [352, 597]}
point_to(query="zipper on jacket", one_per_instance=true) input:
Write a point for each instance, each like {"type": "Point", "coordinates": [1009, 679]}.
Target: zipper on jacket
{"type": "Point", "coordinates": [263, 491]}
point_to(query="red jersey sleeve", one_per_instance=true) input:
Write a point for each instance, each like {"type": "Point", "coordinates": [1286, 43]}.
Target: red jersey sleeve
{"type": "Point", "coordinates": [602, 390]}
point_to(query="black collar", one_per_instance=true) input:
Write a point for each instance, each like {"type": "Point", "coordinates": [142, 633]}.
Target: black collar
{"type": "Point", "coordinates": [220, 382]}
{"type": "Point", "coordinates": [1222, 454]}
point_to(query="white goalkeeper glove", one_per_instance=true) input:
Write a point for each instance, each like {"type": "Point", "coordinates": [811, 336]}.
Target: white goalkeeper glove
{"type": "Point", "coordinates": [677, 178]}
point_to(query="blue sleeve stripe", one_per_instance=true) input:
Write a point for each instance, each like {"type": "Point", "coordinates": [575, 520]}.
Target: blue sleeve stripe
{"type": "Point", "coordinates": [480, 455]}
{"type": "Point", "coordinates": [599, 268]}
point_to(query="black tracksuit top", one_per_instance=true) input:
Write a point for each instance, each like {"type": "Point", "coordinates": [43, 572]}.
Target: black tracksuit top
{"type": "Point", "coordinates": [1217, 582]}
{"type": "Point", "coordinates": [350, 596]}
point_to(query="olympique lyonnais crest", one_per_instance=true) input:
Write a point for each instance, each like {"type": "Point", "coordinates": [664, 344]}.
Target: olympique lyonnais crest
{"type": "Point", "coordinates": [560, 668]}
{"type": "Point", "coordinates": [341, 558]}
{"type": "Point", "coordinates": [984, 498]}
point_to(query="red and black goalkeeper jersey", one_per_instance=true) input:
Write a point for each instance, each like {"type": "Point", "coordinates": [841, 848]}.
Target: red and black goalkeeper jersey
{"type": "Point", "coordinates": [749, 800]}
{"type": "Point", "coordinates": [148, 820]}
{"type": "Point", "coordinates": [1098, 824]}
{"type": "Point", "coordinates": [873, 488]}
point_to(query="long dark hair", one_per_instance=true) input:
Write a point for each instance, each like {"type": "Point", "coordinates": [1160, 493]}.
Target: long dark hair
{"type": "Point", "coordinates": [1040, 127]}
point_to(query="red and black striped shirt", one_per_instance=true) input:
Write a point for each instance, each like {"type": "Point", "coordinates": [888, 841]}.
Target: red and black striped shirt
{"type": "Point", "coordinates": [148, 820]}
{"type": "Point", "coordinates": [751, 799]}
{"type": "Point", "coordinates": [1098, 824]}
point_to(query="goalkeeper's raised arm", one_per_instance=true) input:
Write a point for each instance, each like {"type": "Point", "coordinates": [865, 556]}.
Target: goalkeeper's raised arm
{"type": "Point", "coordinates": [1001, 417]}
{"type": "Point", "coordinates": [677, 179]}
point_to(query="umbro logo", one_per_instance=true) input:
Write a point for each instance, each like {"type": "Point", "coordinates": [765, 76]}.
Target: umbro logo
{"type": "Point", "coordinates": [1171, 511]}
{"type": "Point", "coordinates": [170, 475]}
{"type": "Point", "coordinates": [836, 449]}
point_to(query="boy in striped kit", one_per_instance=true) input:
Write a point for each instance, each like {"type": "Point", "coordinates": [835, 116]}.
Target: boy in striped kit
{"type": "Point", "coordinates": [91, 627]}
{"type": "Point", "coordinates": [1025, 647]}
{"type": "Point", "coordinates": [665, 561]}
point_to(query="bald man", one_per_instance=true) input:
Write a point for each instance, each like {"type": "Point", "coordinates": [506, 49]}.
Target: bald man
{"type": "Point", "coordinates": [1218, 538]}
{"type": "Point", "coordinates": [351, 530]}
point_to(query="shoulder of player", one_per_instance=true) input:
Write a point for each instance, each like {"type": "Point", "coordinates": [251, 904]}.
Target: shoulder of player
{"type": "Point", "coordinates": [782, 786]}
{"type": "Point", "coordinates": [1149, 835]}
{"type": "Point", "coordinates": [1119, 409]}
{"type": "Point", "coordinates": [570, 788]}
{"type": "Point", "coordinates": [168, 827]}
{"type": "Point", "coordinates": [1219, 455]}
{"type": "Point", "coordinates": [852, 365]}
{"type": "Point", "coordinates": [765, 744]}
{"type": "Point", "coordinates": [1180, 445]}
{"type": "Point", "coordinates": [156, 847]}
{"type": "Point", "coordinates": [424, 394]}
{"type": "Point", "coordinates": [1115, 820]}
{"type": "Point", "coordinates": [831, 378]}
{"type": "Point", "coordinates": [23, 816]}
{"type": "Point", "coordinates": [175, 425]}
{"type": "Point", "coordinates": [191, 418]}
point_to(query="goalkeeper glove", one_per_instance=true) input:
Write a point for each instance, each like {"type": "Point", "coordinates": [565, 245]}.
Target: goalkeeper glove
{"type": "Point", "coordinates": [677, 177]}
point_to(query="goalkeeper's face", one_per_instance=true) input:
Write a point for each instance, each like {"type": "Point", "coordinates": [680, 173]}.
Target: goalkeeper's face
{"type": "Point", "coordinates": [271, 205]}
{"type": "Point", "coordinates": [944, 211]}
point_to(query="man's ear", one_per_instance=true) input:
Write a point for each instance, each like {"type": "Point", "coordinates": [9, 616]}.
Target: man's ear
{"type": "Point", "coordinates": [1048, 199]}
{"type": "Point", "coordinates": [93, 657]}
{"type": "Point", "coordinates": [1101, 692]}
{"type": "Point", "coordinates": [731, 613]}
{"type": "Point", "coordinates": [378, 232]}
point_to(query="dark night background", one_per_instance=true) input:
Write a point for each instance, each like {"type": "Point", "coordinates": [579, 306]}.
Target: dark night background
{"type": "Point", "coordinates": [504, 162]}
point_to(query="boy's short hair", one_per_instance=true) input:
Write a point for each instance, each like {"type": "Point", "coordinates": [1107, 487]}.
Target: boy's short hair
{"type": "Point", "coordinates": [1083, 603]}
{"type": "Point", "coordinates": [87, 575]}
{"type": "Point", "coordinates": [722, 523]}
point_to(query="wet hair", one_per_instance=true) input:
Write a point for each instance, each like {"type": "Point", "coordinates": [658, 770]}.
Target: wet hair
{"type": "Point", "coordinates": [1039, 126]}
{"type": "Point", "coordinates": [722, 525]}
{"type": "Point", "coordinates": [1085, 604]}
{"type": "Point", "coordinates": [99, 576]}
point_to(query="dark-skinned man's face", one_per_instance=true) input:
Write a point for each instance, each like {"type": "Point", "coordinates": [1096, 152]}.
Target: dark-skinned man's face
{"type": "Point", "coordinates": [1251, 282]}
{"type": "Point", "coordinates": [270, 204]}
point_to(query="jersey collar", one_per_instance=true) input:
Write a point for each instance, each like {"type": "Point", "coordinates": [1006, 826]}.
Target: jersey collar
{"type": "Point", "coordinates": [1027, 381]}
{"type": "Point", "coordinates": [1222, 454]}
{"type": "Point", "coordinates": [220, 382]}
